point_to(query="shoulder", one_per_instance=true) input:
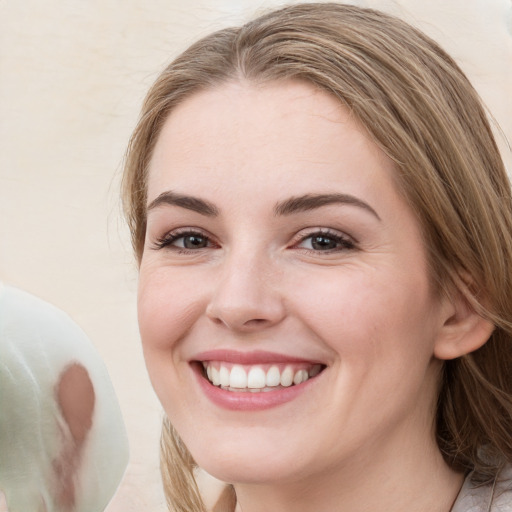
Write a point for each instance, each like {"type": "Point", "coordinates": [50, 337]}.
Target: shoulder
{"type": "Point", "coordinates": [493, 497]}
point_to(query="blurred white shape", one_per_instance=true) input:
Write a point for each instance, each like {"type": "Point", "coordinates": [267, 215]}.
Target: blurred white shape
{"type": "Point", "coordinates": [63, 445]}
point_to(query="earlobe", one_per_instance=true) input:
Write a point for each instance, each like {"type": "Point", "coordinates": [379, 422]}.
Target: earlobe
{"type": "Point", "coordinates": [463, 330]}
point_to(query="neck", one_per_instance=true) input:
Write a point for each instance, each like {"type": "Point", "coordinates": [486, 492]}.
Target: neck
{"type": "Point", "coordinates": [402, 483]}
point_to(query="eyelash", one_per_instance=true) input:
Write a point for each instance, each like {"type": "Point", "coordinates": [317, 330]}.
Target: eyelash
{"type": "Point", "coordinates": [344, 243]}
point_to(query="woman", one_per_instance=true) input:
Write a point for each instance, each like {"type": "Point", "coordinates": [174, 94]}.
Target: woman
{"type": "Point", "coordinates": [322, 223]}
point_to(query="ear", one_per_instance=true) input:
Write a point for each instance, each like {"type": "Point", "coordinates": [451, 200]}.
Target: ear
{"type": "Point", "coordinates": [463, 330]}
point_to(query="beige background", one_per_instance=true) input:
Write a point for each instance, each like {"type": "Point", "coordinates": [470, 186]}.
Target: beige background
{"type": "Point", "coordinates": [72, 77]}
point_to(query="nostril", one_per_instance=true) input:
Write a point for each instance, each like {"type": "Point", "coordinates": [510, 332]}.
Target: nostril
{"type": "Point", "coordinates": [255, 321]}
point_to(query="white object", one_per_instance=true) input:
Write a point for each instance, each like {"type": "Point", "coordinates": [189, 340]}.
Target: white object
{"type": "Point", "coordinates": [63, 445]}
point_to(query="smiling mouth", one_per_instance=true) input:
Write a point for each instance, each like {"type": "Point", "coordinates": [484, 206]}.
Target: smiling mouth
{"type": "Point", "coordinates": [260, 377]}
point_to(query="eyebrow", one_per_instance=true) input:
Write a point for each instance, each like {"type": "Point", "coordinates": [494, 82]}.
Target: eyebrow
{"type": "Point", "coordinates": [287, 207]}
{"type": "Point", "coordinates": [313, 201]}
{"type": "Point", "coordinates": [188, 202]}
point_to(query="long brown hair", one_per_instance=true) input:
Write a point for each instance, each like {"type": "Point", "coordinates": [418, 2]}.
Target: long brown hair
{"type": "Point", "coordinates": [421, 110]}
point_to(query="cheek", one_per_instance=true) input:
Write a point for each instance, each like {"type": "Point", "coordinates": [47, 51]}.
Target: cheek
{"type": "Point", "coordinates": [168, 305]}
{"type": "Point", "coordinates": [167, 309]}
{"type": "Point", "coordinates": [369, 315]}
{"type": "Point", "coordinates": [381, 332]}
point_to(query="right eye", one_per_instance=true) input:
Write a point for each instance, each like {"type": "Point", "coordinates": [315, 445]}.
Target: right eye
{"type": "Point", "coordinates": [184, 240]}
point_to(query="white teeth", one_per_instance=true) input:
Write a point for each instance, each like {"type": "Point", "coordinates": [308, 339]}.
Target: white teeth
{"type": "Point", "coordinates": [273, 376]}
{"type": "Point", "coordinates": [256, 378]}
{"type": "Point", "coordinates": [287, 377]}
{"type": "Point", "coordinates": [215, 376]}
{"type": "Point", "coordinates": [224, 376]}
{"type": "Point", "coordinates": [237, 377]}
{"type": "Point", "coordinates": [300, 376]}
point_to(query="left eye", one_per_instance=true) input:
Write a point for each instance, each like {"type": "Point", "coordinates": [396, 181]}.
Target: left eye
{"type": "Point", "coordinates": [325, 242]}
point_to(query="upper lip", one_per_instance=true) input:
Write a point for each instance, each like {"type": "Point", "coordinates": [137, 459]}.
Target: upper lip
{"type": "Point", "coordinates": [250, 357]}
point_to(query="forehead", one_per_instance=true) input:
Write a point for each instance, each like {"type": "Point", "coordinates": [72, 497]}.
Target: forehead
{"type": "Point", "coordinates": [287, 135]}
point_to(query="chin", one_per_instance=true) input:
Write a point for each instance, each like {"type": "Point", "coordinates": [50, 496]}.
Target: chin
{"type": "Point", "coordinates": [242, 471]}
{"type": "Point", "coordinates": [255, 462]}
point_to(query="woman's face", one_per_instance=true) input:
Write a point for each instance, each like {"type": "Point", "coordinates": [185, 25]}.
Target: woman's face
{"type": "Point", "coordinates": [278, 249]}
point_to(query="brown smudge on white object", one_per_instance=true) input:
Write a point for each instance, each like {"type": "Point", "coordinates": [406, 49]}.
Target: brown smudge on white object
{"type": "Point", "coordinates": [75, 397]}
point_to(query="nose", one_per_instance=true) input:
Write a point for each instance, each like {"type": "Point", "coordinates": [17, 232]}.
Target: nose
{"type": "Point", "coordinates": [247, 297]}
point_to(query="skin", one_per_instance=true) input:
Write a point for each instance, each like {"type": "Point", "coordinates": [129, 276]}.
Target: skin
{"type": "Point", "coordinates": [361, 437]}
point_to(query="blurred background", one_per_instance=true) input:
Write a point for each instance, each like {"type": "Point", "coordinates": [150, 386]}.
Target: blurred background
{"type": "Point", "coordinates": [72, 77]}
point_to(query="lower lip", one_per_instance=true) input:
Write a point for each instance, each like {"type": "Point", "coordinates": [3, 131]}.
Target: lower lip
{"type": "Point", "coordinates": [246, 400]}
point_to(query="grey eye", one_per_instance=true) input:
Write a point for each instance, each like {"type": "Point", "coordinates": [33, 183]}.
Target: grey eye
{"type": "Point", "coordinates": [323, 243]}
{"type": "Point", "coordinates": [192, 241]}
